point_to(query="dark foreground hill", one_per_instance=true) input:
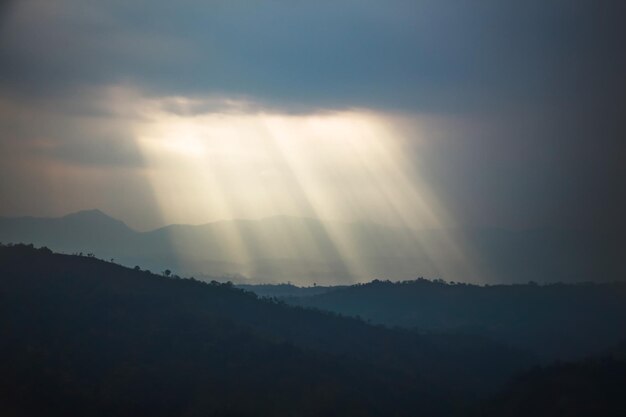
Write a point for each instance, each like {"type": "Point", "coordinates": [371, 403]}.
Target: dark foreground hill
{"type": "Point", "coordinates": [557, 321]}
{"type": "Point", "coordinates": [81, 336]}
{"type": "Point", "coordinates": [590, 387]}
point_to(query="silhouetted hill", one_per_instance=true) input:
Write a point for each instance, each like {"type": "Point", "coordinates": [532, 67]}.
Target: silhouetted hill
{"type": "Point", "coordinates": [88, 231]}
{"type": "Point", "coordinates": [591, 387]}
{"type": "Point", "coordinates": [81, 336]}
{"type": "Point", "coordinates": [307, 251]}
{"type": "Point", "coordinates": [554, 321]}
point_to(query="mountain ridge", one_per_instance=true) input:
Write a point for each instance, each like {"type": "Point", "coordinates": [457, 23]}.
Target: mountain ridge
{"type": "Point", "coordinates": [86, 334]}
{"type": "Point", "coordinates": [555, 321]}
{"type": "Point", "coordinates": [307, 250]}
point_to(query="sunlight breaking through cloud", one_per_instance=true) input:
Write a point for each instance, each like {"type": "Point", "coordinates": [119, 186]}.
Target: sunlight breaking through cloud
{"type": "Point", "coordinates": [242, 162]}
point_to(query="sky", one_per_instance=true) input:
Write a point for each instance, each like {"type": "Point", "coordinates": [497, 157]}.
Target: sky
{"type": "Point", "coordinates": [431, 114]}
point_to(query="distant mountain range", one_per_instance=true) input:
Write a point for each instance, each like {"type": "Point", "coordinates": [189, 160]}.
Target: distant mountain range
{"type": "Point", "coordinates": [306, 251]}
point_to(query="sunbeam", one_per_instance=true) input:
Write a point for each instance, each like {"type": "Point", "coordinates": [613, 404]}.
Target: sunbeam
{"type": "Point", "coordinates": [342, 168]}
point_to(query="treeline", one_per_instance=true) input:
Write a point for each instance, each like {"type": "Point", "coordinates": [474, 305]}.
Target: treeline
{"type": "Point", "coordinates": [81, 336]}
{"type": "Point", "coordinates": [554, 321]}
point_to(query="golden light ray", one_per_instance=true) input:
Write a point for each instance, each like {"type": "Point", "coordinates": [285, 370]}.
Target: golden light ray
{"type": "Point", "coordinates": [341, 167]}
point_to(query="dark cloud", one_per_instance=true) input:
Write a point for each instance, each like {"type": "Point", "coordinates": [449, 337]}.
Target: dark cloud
{"type": "Point", "coordinates": [427, 55]}
{"type": "Point", "coordinates": [78, 129]}
{"type": "Point", "coordinates": [541, 82]}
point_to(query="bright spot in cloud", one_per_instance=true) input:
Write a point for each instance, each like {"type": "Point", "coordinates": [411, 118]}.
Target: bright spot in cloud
{"type": "Point", "coordinates": [345, 166]}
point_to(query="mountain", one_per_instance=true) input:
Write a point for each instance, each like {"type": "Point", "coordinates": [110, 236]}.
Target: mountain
{"type": "Point", "coordinates": [556, 321]}
{"type": "Point", "coordinates": [82, 336]}
{"type": "Point", "coordinates": [307, 251]}
{"type": "Point", "coordinates": [89, 230]}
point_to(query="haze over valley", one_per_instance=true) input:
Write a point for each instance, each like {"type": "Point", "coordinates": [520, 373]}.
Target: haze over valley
{"type": "Point", "coordinates": [307, 251]}
{"type": "Point", "coordinates": [333, 208]}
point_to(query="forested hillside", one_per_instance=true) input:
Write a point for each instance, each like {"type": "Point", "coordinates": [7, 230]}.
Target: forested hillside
{"type": "Point", "coordinates": [557, 321]}
{"type": "Point", "coordinates": [81, 336]}
{"type": "Point", "coordinates": [590, 387]}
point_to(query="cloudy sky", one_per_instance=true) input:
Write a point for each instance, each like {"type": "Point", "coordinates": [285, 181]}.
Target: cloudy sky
{"type": "Point", "coordinates": [480, 113]}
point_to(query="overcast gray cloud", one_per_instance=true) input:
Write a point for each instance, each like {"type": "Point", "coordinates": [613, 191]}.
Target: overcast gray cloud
{"type": "Point", "coordinates": [537, 87]}
{"type": "Point", "coordinates": [429, 55]}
